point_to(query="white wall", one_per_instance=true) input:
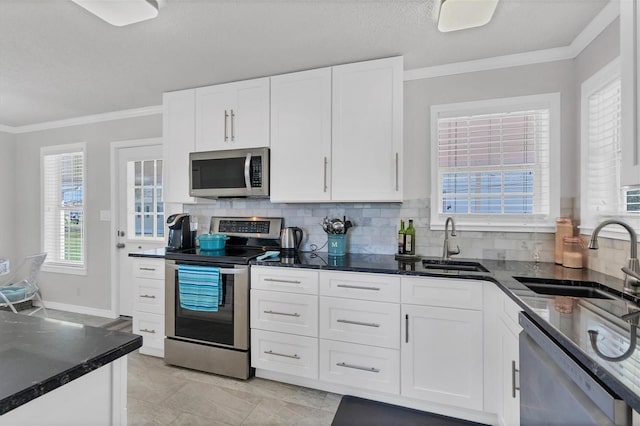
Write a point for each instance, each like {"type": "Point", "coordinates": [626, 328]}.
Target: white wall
{"type": "Point", "coordinates": [94, 289]}
{"type": "Point", "coordinates": [8, 178]}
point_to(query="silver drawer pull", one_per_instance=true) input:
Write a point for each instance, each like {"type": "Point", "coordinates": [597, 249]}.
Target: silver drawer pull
{"type": "Point", "coordinates": [357, 367]}
{"type": "Point", "coordinates": [274, 280]}
{"type": "Point", "coordinates": [148, 296]}
{"type": "Point", "coordinates": [366, 324]}
{"type": "Point", "coordinates": [294, 356]}
{"type": "Point", "coordinates": [147, 269]}
{"type": "Point", "coordinates": [295, 314]}
{"type": "Point", "coordinates": [144, 330]}
{"type": "Point", "coordinates": [359, 287]}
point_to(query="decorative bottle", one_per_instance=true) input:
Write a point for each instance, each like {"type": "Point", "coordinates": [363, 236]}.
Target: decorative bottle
{"type": "Point", "coordinates": [401, 237]}
{"type": "Point", "coordinates": [564, 228]}
{"type": "Point", "coordinates": [410, 240]}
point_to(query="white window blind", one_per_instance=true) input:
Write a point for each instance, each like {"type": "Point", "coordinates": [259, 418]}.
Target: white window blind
{"type": "Point", "coordinates": [63, 210]}
{"type": "Point", "coordinates": [494, 164]}
{"type": "Point", "coordinates": [604, 154]}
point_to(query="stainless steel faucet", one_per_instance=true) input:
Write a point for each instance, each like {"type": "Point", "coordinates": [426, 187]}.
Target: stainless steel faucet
{"type": "Point", "coordinates": [446, 251]}
{"type": "Point", "coordinates": [632, 271]}
{"type": "Point", "coordinates": [633, 317]}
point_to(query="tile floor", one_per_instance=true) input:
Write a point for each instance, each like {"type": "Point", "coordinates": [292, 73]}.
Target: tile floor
{"type": "Point", "coordinates": [160, 394]}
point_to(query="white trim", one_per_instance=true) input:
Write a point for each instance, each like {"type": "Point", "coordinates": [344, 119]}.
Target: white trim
{"type": "Point", "coordinates": [87, 119]}
{"type": "Point", "coordinates": [501, 222]}
{"type": "Point", "coordinates": [105, 313]}
{"type": "Point", "coordinates": [114, 148]}
{"type": "Point", "coordinates": [597, 25]}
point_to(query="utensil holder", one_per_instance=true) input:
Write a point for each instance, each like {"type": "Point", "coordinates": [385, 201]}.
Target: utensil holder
{"type": "Point", "coordinates": [337, 244]}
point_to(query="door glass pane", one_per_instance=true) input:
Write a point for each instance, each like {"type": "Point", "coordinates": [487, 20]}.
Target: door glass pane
{"type": "Point", "coordinates": [158, 172]}
{"type": "Point", "coordinates": [149, 173]}
{"type": "Point", "coordinates": [137, 173]}
{"type": "Point", "coordinates": [148, 200]}
{"type": "Point", "coordinates": [138, 226]}
{"type": "Point", "coordinates": [148, 225]}
{"type": "Point", "coordinates": [160, 229]}
{"type": "Point", "coordinates": [138, 200]}
{"type": "Point", "coordinates": [159, 203]}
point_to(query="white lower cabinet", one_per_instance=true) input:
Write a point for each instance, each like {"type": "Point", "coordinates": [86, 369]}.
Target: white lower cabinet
{"type": "Point", "coordinates": [148, 305]}
{"type": "Point", "coordinates": [509, 356]}
{"type": "Point", "coordinates": [360, 366]}
{"type": "Point", "coordinates": [442, 355]}
{"type": "Point", "coordinates": [285, 353]}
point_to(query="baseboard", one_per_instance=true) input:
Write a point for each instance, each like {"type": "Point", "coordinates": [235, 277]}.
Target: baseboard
{"type": "Point", "coordinates": [105, 313]}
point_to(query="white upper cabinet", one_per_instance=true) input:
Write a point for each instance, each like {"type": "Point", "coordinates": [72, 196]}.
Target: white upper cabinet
{"type": "Point", "coordinates": [367, 131]}
{"type": "Point", "coordinates": [336, 133]}
{"type": "Point", "coordinates": [629, 55]}
{"type": "Point", "coordinates": [233, 115]}
{"type": "Point", "coordinates": [301, 136]}
{"type": "Point", "coordinates": [178, 136]}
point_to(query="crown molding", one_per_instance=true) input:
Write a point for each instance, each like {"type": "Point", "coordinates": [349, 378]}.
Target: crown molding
{"type": "Point", "coordinates": [87, 119]}
{"type": "Point", "coordinates": [597, 25]}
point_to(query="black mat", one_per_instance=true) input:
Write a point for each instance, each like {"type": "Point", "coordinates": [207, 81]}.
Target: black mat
{"type": "Point", "coordinates": [355, 411]}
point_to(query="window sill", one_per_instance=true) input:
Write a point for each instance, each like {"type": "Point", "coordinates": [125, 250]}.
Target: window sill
{"type": "Point", "coordinates": [461, 225]}
{"type": "Point", "coordinates": [59, 269]}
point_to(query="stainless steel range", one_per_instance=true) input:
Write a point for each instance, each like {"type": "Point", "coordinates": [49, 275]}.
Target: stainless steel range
{"type": "Point", "coordinates": [215, 338]}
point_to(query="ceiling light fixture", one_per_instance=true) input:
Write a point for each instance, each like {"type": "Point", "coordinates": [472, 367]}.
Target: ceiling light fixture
{"type": "Point", "coordinates": [121, 12]}
{"type": "Point", "coordinates": [454, 15]}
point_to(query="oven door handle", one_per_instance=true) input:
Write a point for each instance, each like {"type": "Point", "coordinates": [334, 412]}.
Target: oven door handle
{"type": "Point", "coordinates": [223, 271]}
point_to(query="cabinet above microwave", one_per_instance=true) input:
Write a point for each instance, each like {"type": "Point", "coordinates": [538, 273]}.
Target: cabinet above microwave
{"type": "Point", "coordinates": [229, 173]}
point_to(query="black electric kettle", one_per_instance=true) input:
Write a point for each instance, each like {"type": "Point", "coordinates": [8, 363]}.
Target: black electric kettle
{"type": "Point", "coordinates": [290, 239]}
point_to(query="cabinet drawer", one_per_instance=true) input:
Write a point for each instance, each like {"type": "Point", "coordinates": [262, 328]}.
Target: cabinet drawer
{"type": "Point", "coordinates": [360, 366]}
{"type": "Point", "coordinates": [353, 285]}
{"type": "Point", "coordinates": [149, 268]}
{"type": "Point", "coordinates": [149, 295]}
{"type": "Point", "coordinates": [444, 292]}
{"type": "Point", "coordinates": [285, 353]}
{"type": "Point", "coordinates": [356, 321]}
{"type": "Point", "coordinates": [150, 327]}
{"type": "Point", "coordinates": [284, 312]}
{"type": "Point", "coordinates": [291, 280]}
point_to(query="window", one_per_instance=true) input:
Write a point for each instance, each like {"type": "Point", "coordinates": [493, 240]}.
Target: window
{"type": "Point", "coordinates": [63, 207]}
{"type": "Point", "coordinates": [493, 163]}
{"type": "Point", "coordinates": [145, 220]}
{"type": "Point", "coordinates": [602, 194]}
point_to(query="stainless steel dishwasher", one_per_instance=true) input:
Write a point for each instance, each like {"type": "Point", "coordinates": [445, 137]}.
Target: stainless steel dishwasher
{"type": "Point", "coordinates": [556, 390]}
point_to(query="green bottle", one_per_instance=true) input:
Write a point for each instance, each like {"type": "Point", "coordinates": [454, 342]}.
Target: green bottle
{"type": "Point", "coordinates": [410, 239]}
{"type": "Point", "coordinates": [401, 237]}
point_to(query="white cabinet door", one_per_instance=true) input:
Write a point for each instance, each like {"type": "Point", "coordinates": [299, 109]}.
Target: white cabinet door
{"type": "Point", "coordinates": [629, 22]}
{"type": "Point", "coordinates": [509, 366]}
{"type": "Point", "coordinates": [441, 355]}
{"type": "Point", "coordinates": [301, 136]}
{"type": "Point", "coordinates": [367, 131]}
{"type": "Point", "coordinates": [233, 115]}
{"type": "Point", "coordinates": [178, 122]}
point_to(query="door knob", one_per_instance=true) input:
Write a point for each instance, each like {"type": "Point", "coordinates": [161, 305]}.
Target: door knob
{"type": "Point", "coordinates": [120, 245]}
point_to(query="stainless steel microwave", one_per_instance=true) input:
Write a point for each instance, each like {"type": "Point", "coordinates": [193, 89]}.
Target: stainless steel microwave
{"type": "Point", "coordinates": [229, 173]}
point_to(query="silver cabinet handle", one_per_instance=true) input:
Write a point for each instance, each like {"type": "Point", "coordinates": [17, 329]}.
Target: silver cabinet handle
{"type": "Point", "coordinates": [294, 356]}
{"type": "Point", "coordinates": [514, 370]}
{"type": "Point", "coordinates": [226, 117]}
{"type": "Point", "coordinates": [397, 172]}
{"type": "Point", "coordinates": [357, 367]}
{"type": "Point", "coordinates": [233, 133]}
{"type": "Point", "coordinates": [295, 314]}
{"type": "Point", "coordinates": [147, 269]}
{"type": "Point", "coordinates": [358, 287]}
{"type": "Point", "coordinates": [406, 328]}
{"type": "Point", "coordinates": [325, 174]}
{"type": "Point", "coordinates": [366, 324]}
{"type": "Point", "coordinates": [275, 280]}
{"type": "Point", "coordinates": [148, 296]}
{"type": "Point", "coordinates": [247, 171]}
{"type": "Point", "coordinates": [144, 330]}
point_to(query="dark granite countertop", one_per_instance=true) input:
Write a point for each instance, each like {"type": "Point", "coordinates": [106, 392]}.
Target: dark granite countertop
{"type": "Point", "coordinates": [38, 355]}
{"type": "Point", "coordinates": [158, 253]}
{"type": "Point", "coordinates": [565, 319]}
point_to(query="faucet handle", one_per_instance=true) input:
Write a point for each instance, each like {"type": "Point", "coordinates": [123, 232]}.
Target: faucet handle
{"type": "Point", "coordinates": [455, 250]}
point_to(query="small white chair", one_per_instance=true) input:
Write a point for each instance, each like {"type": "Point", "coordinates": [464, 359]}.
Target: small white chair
{"type": "Point", "coordinates": [22, 284]}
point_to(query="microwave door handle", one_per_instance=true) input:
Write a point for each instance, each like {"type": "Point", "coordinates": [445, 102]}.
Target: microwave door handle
{"type": "Point", "coordinates": [247, 172]}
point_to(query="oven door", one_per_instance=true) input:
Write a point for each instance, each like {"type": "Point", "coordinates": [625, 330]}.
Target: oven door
{"type": "Point", "coordinates": [228, 327]}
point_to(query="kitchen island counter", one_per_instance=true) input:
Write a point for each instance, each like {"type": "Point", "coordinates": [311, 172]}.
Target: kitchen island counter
{"type": "Point", "coordinates": [42, 356]}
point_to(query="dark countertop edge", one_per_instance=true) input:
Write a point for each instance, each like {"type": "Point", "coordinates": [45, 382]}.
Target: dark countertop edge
{"type": "Point", "coordinates": [147, 255]}
{"type": "Point", "coordinates": [29, 394]}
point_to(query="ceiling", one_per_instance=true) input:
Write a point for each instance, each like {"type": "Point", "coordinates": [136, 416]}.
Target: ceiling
{"type": "Point", "coordinates": [58, 61]}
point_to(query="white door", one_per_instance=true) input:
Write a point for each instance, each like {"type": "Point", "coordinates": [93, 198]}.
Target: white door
{"type": "Point", "coordinates": [441, 355]}
{"type": "Point", "coordinates": [140, 221]}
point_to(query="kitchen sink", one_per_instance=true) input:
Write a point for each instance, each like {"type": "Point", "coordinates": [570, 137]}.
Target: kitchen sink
{"type": "Point", "coordinates": [565, 288]}
{"type": "Point", "coordinates": [453, 265]}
